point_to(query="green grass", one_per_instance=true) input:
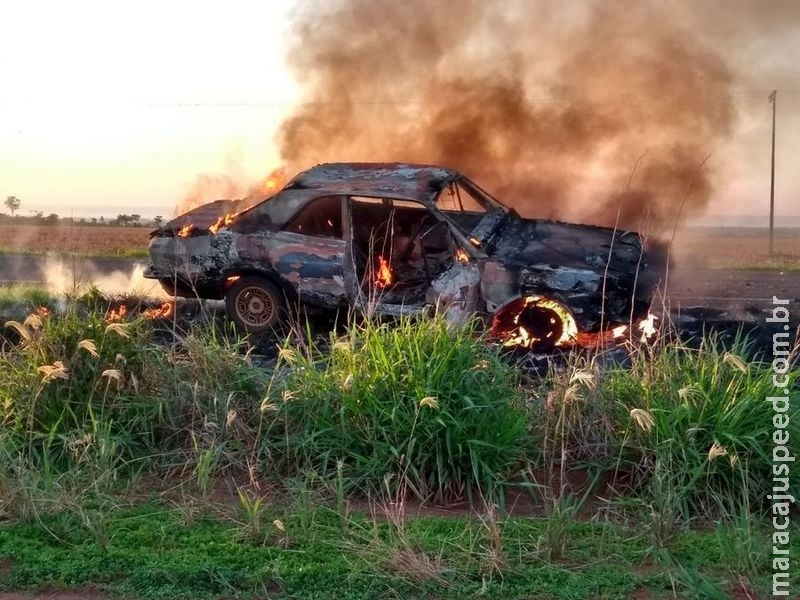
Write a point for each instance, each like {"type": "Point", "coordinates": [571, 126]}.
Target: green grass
{"type": "Point", "coordinates": [83, 386]}
{"type": "Point", "coordinates": [98, 415]}
{"type": "Point", "coordinates": [699, 426]}
{"type": "Point", "coordinates": [152, 551]}
{"type": "Point", "coordinates": [418, 405]}
{"type": "Point", "coordinates": [19, 298]}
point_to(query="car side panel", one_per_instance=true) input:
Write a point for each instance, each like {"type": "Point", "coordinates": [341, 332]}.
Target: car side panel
{"type": "Point", "coordinates": [313, 266]}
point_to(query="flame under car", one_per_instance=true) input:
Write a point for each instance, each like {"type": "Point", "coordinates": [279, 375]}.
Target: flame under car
{"type": "Point", "coordinates": [398, 239]}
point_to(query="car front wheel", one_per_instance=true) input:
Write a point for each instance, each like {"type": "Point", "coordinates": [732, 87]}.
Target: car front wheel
{"type": "Point", "coordinates": [254, 304]}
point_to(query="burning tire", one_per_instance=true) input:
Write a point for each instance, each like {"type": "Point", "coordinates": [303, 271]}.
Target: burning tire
{"type": "Point", "coordinates": [254, 304]}
{"type": "Point", "coordinates": [533, 322]}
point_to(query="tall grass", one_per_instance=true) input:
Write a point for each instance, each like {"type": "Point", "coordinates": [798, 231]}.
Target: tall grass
{"type": "Point", "coordinates": [430, 409]}
{"type": "Point", "coordinates": [91, 387]}
{"type": "Point", "coordinates": [410, 408]}
{"type": "Point", "coordinates": [703, 427]}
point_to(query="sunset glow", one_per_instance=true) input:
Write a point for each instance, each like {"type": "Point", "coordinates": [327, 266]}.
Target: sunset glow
{"type": "Point", "coordinates": [119, 109]}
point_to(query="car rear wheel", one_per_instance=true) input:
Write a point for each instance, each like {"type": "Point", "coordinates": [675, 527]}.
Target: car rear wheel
{"type": "Point", "coordinates": [254, 304]}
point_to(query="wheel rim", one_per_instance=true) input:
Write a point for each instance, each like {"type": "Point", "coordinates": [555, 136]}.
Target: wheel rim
{"type": "Point", "coordinates": [255, 307]}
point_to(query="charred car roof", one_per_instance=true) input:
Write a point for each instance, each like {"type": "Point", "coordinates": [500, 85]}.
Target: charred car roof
{"type": "Point", "coordinates": [397, 180]}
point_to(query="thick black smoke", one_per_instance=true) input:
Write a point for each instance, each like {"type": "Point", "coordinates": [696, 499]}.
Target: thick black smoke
{"type": "Point", "coordinates": [551, 106]}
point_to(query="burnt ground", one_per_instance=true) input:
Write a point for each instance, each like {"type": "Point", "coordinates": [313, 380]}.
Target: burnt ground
{"type": "Point", "coordinates": [697, 299]}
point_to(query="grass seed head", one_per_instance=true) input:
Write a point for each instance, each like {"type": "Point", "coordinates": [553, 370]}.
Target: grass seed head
{"type": "Point", "coordinates": [429, 402]}
{"type": "Point", "coordinates": [690, 392]}
{"type": "Point", "coordinates": [716, 451]}
{"type": "Point", "coordinates": [121, 329]}
{"type": "Point", "coordinates": [113, 374]}
{"type": "Point", "coordinates": [287, 355]}
{"type": "Point", "coordinates": [34, 321]}
{"type": "Point", "coordinates": [55, 371]}
{"type": "Point", "coordinates": [643, 419]}
{"type": "Point", "coordinates": [89, 346]}
{"type": "Point", "coordinates": [735, 362]}
{"type": "Point", "coordinates": [582, 376]}
{"type": "Point", "coordinates": [342, 346]}
{"type": "Point", "coordinates": [348, 383]}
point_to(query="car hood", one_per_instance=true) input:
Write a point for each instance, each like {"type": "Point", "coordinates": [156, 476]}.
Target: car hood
{"type": "Point", "coordinates": [526, 242]}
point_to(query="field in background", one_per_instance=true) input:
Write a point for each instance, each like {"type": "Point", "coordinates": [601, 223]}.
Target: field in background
{"type": "Point", "coordinates": [89, 240]}
{"type": "Point", "coordinates": [737, 248]}
{"type": "Point", "coordinates": [714, 247]}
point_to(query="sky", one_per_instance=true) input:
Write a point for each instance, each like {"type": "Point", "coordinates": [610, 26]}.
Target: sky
{"type": "Point", "coordinates": [111, 108]}
{"type": "Point", "coordinates": [108, 110]}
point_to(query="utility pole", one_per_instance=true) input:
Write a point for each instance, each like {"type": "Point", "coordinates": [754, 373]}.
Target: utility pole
{"type": "Point", "coordinates": [773, 97]}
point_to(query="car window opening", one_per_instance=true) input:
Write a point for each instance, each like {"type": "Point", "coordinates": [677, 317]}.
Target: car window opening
{"type": "Point", "coordinates": [399, 248]}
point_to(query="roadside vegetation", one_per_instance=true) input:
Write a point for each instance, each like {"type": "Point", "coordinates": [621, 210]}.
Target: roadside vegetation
{"type": "Point", "coordinates": [141, 459]}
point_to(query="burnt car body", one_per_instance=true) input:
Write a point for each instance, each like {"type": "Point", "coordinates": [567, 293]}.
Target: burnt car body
{"type": "Point", "coordinates": [402, 238]}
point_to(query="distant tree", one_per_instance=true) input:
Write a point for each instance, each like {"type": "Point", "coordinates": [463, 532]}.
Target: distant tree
{"type": "Point", "coordinates": [134, 220]}
{"type": "Point", "coordinates": [12, 202]}
{"type": "Point", "coordinates": [51, 219]}
{"type": "Point", "coordinates": [158, 220]}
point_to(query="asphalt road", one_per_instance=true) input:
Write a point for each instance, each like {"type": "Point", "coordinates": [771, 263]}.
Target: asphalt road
{"type": "Point", "coordinates": [27, 268]}
{"type": "Point", "coordinates": [692, 293]}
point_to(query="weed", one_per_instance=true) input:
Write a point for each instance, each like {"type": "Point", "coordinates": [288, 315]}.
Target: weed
{"type": "Point", "coordinates": [430, 406]}
{"type": "Point", "coordinates": [700, 430]}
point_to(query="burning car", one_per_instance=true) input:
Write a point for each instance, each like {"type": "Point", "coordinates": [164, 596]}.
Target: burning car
{"type": "Point", "coordinates": [400, 239]}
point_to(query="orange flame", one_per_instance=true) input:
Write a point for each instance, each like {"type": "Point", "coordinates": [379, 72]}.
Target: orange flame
{"type": "Point", "coordinates": [648, 327]}
{"type": "Point", "coordinates": [115, 316]}
{"type": "Point", "coordinates": [384, 275]}
{"type": "Point", "coordinates": [223, 221]}
{"type": "Point", "coordinates": [461, 255]}
{"type": "Point", "coordinates": [553, 325]}
{"type": "Point", "coordinates": [619, 331]}
{"type": "Point", "coordinates": [275, 181]}
{"type": "Point", "coordinates": [230, 281]}
{"type": "Point", "coordinates": [162, 312]}
{"type": "Point", "coordinates": [185, 231]}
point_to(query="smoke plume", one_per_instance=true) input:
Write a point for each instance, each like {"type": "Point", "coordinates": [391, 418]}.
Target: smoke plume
{"type": "Point", "coordinates": [575, 111]}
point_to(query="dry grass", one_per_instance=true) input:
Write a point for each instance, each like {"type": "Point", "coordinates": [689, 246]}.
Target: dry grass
{"type": "Point", "coordinates": [737, 248]}
{"type": "Point", "coordinates": [96, 240]}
